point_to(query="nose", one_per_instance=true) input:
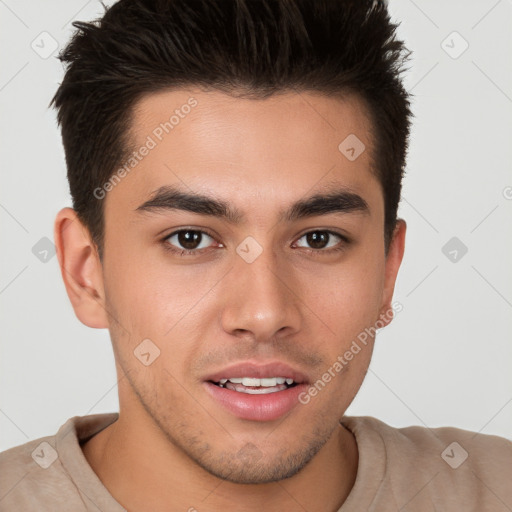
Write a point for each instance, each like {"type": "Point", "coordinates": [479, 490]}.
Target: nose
{"type": "Point", "coordinates": [262, 300]}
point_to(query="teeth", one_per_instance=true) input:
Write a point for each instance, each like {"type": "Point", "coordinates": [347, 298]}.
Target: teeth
{"type": "Point", "coordinates": [254, 382]}
{"type": "Point", "coordinates": [248, 381]}
{"type": "Point", "coordinates": [260, 391]}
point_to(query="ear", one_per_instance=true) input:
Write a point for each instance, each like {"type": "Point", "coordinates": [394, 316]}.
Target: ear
{"type": "Point", "coordinates": [393, 261]}
{"type": "Point", "coordinates": [81, 269]}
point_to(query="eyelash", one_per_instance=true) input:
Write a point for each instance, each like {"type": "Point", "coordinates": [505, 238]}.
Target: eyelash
{"type": "Point", "coordinates": [196, 252]}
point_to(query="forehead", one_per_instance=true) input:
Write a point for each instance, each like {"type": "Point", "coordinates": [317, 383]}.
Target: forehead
{"type": "Point", "coordinates": [275, 148]}
{"type": "Point", "coordinates": [308, 122]}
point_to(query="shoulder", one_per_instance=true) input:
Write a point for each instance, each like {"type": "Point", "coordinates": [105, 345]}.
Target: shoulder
{"type": "Point", "coordinates": [445, 463]}
{"type": "Point", "coordinates": [51, 473]}
{"type": "Point", "coordinates": [445, 442]}
{"type": "Point", "coordinates": [32, 475]}
{"type": "Point", "coordinates": [456, 447]}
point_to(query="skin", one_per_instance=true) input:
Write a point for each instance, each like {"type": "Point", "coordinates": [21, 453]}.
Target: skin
{"type": "Point", "coordinates": [173, 446]}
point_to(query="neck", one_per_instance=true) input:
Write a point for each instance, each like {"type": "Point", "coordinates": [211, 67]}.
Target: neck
{"type": "Point", "coordinates": [143, 471]}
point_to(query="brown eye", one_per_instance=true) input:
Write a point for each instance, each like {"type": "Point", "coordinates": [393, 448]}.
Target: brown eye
{"type": "Point", "coordinates": [322, 240]}
{"type": "Point", "coordinates": [318, 239]}
{"type": "Point", "coordinates": [188, 239]}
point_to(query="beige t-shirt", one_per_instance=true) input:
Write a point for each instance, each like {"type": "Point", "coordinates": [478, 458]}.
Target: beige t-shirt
{"type": "Point", "coordinates": [400, 469]}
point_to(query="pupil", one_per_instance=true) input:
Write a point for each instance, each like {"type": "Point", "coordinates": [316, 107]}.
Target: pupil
{"type": "Point", "coordinates": [317, 239]}
{"type": "Point", "coordinates": [189, 239]}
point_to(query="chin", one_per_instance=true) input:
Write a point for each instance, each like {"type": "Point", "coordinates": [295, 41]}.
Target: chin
{"type": "Point", "coordinates": [250, 465]}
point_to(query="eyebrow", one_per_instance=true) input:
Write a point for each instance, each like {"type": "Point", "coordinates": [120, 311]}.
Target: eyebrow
{"type": "Point", "coordinates": [338, 201]}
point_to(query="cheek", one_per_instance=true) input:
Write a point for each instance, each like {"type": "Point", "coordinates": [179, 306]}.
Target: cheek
{"type": "Point", "coordinates": [162, 303]}
{"type": "Point", "coordinates": [148, 294]}
{"type": "Point", "coordinates": [346, 297]}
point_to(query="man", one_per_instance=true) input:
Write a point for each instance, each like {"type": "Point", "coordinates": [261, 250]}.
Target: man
{"type": "Point", "coordinates": [235, 168]}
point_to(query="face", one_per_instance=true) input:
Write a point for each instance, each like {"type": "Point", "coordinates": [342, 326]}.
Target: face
{"type": "Point", "coordinates": [219, 257]}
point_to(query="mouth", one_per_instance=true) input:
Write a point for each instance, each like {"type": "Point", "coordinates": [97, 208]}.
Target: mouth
{"type": "Point", "coordinates": [257, 392]}
{"type": "Point", "coordinates": [255, 386]}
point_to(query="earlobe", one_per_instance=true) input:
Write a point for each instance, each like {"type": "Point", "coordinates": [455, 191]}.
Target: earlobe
{"type": "Point", "coordinates": [392, 265]}
{"type": "Point", "coordinates": [80, 269]}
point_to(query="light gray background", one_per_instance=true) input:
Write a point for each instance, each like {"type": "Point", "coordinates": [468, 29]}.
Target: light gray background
{"type": "Point", "coordinates": [445, 359]}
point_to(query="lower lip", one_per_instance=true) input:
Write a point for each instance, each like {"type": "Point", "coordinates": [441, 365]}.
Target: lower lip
{"type": "Point", "coordinates": [271, 406]}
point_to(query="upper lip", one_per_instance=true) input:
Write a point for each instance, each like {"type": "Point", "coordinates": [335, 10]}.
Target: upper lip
{"type": "Point", "coordinates": [258, 371]}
